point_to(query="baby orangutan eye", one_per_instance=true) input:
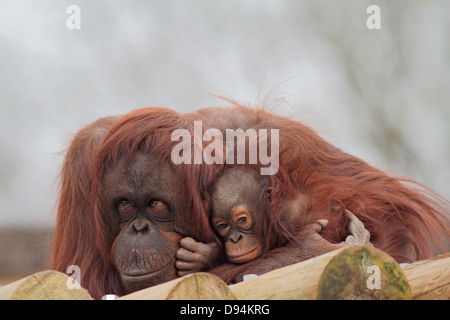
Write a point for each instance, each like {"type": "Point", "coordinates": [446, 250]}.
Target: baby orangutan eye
{"type": "Point", "coordinates": [241, 220]}
{"type": "Point", "coordinates": [222, 226]}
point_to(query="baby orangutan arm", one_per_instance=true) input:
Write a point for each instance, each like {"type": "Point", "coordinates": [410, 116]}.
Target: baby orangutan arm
{"type": "Point", "coordinates": [194, 256]}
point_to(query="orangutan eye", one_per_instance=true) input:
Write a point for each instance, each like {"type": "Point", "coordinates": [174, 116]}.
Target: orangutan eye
{"type": "Point", "coordinates": [125, 208]}
{"type": "Point", "coordinates": [244, 220]}
{"type": "Point", "coordinates": [156, 207]}
{"type": "Point", "coordinates": [155, 204]}
{"type": "Point", "coordinates": [241, 220]}
{"type": "Point", "coordinates": [221, 226]}
{"type": "Point", "coordinates": [222, 229]}
{"type": "Point", "coordinates": [124, 203]}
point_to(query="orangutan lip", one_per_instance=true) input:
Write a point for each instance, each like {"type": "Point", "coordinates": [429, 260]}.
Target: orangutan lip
{"type": "Point", "coordinates": [141, 276]}
{"type": "Point", "coordinates": [242, 256]}
{"type": "Point", "coordinates": [139, 279]}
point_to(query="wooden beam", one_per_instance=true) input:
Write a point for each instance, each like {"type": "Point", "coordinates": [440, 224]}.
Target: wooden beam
{"type": "Point", "coordinates": [430, 279]}
{"type": "Point", "coordinates": [349, 273]}
{"type": "Point", "coordinates": [355, 272]}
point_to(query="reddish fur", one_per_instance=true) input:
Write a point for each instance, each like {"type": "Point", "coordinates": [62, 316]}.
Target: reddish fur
{"type": "Point", "coordinates": [85, 230]}
{"type": "Point", "coordinates": [74, 235]}
{"type": "Point", "coordinates": [399, 216]}
{"type": "Point", "coordinates": [405, 219]}
{"type": "Point", "coordinates": [148, 130]}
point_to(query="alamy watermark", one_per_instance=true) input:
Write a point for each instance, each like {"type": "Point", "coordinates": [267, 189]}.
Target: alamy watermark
{"type": "Point", "coordinates": [73, 21]}
{"type": "Point", "coordinates": [235, 139]}
{"type": "Point", "coordinates": [374, 280]}
{"type": "Point", "coordinates": [74, 279]}
{"type": "Point", "coordinates": [373, 22]}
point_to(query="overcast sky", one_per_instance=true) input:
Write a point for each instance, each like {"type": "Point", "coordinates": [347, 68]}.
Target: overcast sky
{"type": "Point", "coordinates": [382, 95]}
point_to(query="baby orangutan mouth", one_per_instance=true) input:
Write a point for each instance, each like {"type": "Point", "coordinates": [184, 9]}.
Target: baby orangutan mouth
{"type": "Point", "coordinates": [247, 256]}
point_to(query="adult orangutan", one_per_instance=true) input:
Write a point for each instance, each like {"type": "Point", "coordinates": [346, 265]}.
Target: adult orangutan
{"type": "Point", "coordinates": [124, 205]}
{"type": "Point", "coordinates": [405, 219]}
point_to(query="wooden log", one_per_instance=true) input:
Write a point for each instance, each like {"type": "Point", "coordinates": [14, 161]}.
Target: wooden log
{"type": "Point", "coordinates": [429, 279]}
{"type": "Point", "coordinates": [345, 274]}
{"type": "Point", "coordinates": [44, 285]}
{"type": "Point", "coordinates": [196, 286]}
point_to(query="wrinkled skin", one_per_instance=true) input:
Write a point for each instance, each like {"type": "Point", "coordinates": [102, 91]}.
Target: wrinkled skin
{"type": "Point", "coordinates": [145, 203]}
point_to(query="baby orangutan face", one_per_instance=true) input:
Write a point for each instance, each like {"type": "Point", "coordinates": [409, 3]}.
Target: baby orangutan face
{"type": "Point", "coordinates": [234, 200]}
{"type": "Point", "coordinates": [236, 230]}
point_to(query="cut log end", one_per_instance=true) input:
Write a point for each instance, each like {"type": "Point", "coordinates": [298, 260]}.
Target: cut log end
{"type": "Point", "coordinates": [45, 285]}
{"type": "Point", "coordinates": [201, 286]}
{"type": "Point", "coordinates": [363, 273]}
{"type": "Point", "coordinates": [196, 286]}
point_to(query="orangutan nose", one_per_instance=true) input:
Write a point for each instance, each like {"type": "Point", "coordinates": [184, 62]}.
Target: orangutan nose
{"type": "Point", "coordinates": [235, 237]}
{"type": "Point", "coordinates": [141, 225]}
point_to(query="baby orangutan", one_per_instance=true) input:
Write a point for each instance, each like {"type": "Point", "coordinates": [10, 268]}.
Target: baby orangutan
{"type": "Point", "coordinates": [245, 222]}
